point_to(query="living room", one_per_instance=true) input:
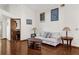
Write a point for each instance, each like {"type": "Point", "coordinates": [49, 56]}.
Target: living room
{"type": "Point", "coordinates": [67, 16]}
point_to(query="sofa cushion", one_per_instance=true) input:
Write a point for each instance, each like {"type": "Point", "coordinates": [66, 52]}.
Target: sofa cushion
{"type": "Point", "coordinates": [47, 34]}
{"type": "Point", "coordinates": [48, 39]}
{"type": "Point", "coordinates": [43, 34]}
{"type": "Point", "coordinates": [55, 35]}
{"type": "Point", "coordinates": [50, 35]}
{"type": "Point", "coordinates": [51, 39]}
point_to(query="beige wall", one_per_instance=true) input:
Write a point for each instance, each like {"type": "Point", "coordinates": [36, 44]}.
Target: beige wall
{"type": "Point", "coordinates": [23, 12]}
{"type": "Point", "coordinates": [68, 16]}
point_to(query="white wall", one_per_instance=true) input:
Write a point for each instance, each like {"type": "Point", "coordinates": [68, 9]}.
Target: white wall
{"type": "Point", "coordinates": [4, 26]}
{"type": "Point", "coordinates": [4, 32]}
{"type": "Point", "coordinates": [71, 18]}
{"type": "Point", "coordinates": [49, 25]}
{"type": "Point", "coordinates": [1, 27]}
{"type": "Point", "coordinates": [17, 11]}
{"type": "Point", "coordinates": [68, 16]}
{"type": "Point", "coordinates": [8, 29]}
{"type": "Point", "coordinates": [3, 19]}
{"type": "Point", "coordinates": [4, 7]}
{"type": "Point", "coordinates": [23, 12]}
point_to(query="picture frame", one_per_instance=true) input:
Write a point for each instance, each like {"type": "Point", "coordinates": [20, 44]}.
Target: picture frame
{"type": "Point", "coordinates": [55, 14]}
{"type": "Point", "coordinates": [42, 16]}
{"type": "Point", "coordinates": [29, 21]}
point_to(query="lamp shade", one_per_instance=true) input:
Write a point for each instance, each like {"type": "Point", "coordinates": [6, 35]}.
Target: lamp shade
{"type": "Point", "coordinates": [66, 29]}
{"type": "Point", "coordinates": [34, 28]}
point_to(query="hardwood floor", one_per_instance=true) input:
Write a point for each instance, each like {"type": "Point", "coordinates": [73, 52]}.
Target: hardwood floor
{"type": "Point", "coordinates": [21, 48]}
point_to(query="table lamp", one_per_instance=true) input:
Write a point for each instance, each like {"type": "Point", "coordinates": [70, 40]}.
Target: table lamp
{"type": "Point", "coordinates": [66, 29]}
{"type": "Point", "coordinates": [34, 29]}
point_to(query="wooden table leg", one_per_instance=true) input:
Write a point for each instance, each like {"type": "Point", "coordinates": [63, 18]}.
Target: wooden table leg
{"type": "Point", "coordinates": [67, 43]}
{"type": "Point", "coordinates": [62, 43]}
{"type": "Point", "coordinates": [70, 43]}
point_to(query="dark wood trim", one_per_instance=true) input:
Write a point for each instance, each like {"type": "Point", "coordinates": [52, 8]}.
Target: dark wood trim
{"type": "Point", "coordinates": [20, 26]}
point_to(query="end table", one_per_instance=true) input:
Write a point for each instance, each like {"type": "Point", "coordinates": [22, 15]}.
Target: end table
{"type": "Point", "coordinates": [68, 40]}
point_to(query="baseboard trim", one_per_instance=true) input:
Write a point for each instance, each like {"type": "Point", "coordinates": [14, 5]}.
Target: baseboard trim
{"type": "Point", "coordinates": [72, 46]}
{"type": "Point", "coordinates": [75, 46]}
{"type": "Point", "coordinates": [24, 39]}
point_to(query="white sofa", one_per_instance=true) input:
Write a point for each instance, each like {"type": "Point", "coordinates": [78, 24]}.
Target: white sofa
{"type": "Point", "coordinates": [54, 40]}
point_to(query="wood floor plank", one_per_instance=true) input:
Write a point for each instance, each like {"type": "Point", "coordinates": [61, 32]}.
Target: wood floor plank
{"type": "Point", "coordinates": [21, 48]}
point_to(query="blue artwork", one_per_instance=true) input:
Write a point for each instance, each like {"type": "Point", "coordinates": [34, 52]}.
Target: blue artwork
{"type": "Point", "coordinates": [55, 14]}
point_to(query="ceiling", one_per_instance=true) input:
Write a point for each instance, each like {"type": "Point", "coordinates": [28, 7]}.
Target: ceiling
{"type": "Point", "coordinates": [35, 7]}
{"type": "Point", "coordinates": [4, 6]}
{"type": "Point", "coordinates": [41, 6]}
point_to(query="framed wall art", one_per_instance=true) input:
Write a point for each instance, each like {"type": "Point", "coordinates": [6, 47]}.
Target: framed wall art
{"type": "Point", "coordinates": [42, 16]}
{"type": "Point", "coordinates": [29, 21]}
{"type": "Point", "coordinates": [55, 14]}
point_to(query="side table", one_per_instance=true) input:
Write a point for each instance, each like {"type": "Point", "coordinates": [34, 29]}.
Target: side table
{"type": "Point", "coordinates": [68, 40]}
{"type": "Point", "coordinates": [34, 43]}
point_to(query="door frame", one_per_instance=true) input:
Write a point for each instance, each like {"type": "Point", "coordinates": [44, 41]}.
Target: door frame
{"type": "Point", "coordinates": [11, 25]}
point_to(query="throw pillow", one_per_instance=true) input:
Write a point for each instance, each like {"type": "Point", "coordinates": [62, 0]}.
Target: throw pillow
{"type": "Point", "coordinates": [50, 36]}
{"type": "Point", "coordinates": [46, 35]}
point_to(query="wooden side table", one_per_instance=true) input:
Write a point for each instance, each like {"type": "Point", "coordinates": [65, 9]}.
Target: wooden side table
{"type": "Point", "coordinates": [68, 40]}
{"type": "Point", "coordinates": [34, 46]}
{"type": "Point", "coordinates": [34, 43]}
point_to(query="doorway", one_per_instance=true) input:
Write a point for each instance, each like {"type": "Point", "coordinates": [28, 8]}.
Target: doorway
{"type": "Point", "coordinates": [15, 28]}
